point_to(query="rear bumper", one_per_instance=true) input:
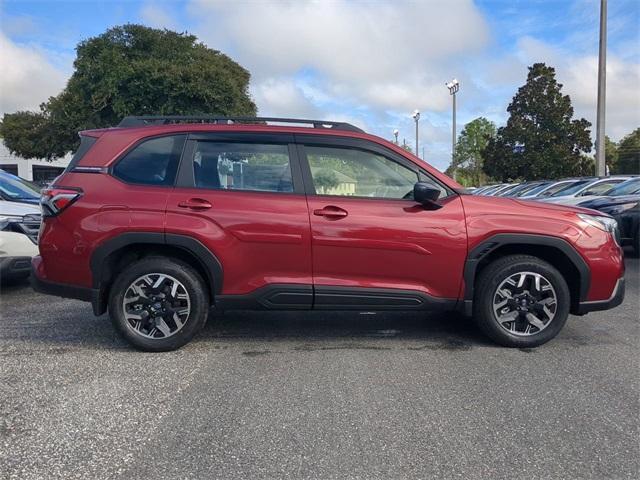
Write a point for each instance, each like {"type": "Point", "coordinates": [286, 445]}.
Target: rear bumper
{"type": "Point", "coordinates": [617, 297]}
{"type": "Point", "coordinates": [66, 291]}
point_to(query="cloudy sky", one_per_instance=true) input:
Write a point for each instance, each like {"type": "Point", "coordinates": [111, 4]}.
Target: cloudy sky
{"type": "Point", "coordinates": [368, 62]}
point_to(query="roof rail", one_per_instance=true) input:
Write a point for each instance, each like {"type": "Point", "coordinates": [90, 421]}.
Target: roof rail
{"type": "Point", "coordinates": [139, 121]}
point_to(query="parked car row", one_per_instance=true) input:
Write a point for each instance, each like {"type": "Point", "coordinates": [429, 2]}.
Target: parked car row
{"type": "Point", "coordinates": [20, 220]}
{"type": "Point", "coordinates": [618, 196]}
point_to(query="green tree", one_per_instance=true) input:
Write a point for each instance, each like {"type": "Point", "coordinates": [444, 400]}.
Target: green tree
{"type": "Point", "coordinates": [130, 70]}
{"type": "Point", "coordinates": [468, 160]}
{"type": "Point", "coordinates": [325, 180]}
{"type": "Point", "coordinates": [540, 139]}
{"type": "Point", "coordinates": [611, 154]}
{"type": "Point", "coordinates": [629, 153]}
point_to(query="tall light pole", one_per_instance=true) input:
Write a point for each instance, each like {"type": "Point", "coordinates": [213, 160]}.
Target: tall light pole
{"type": "Point", "coordinates": [395, 134]}
{"type": "Point", "coordinates": [416, 117]}
{"type": "Point", "coordinates": [602, 87]}
{"type": "Point", "coordinates": [453, 87]}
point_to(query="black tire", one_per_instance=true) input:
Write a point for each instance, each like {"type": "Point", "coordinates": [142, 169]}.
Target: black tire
{"type": "Point", "coordinates": [491, 278]}
{"type": "Point", "coordinates": [193, 285]}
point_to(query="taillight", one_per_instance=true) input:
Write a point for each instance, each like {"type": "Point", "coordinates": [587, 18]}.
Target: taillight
{"type": "Point", "coordinates": [55, 200]}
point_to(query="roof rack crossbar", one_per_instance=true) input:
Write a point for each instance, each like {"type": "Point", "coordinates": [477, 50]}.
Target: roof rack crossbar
{"type": "Point", "coordinates": [139, 121]}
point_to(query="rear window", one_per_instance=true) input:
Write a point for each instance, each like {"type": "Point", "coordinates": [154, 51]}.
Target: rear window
{"type": "Point", "coordinates": [152, 162]}
{"type": "Point", "coordinates": [86, 143]}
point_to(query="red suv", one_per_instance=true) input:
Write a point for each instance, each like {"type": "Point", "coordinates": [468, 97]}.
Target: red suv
{"type": "Point", "coordinates": [164, 217]}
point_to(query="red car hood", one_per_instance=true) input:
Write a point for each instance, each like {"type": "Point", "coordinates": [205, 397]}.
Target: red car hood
{"type": "Point", "coordinates": [556, 207]}
{"type": "Point", "coordinates": [498, 205]}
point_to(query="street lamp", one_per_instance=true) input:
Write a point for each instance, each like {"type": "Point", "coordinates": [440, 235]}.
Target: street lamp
{"type": "Point", "coordinates": [453, 87]}
{"type": "Point", "coordinates": [416, 117]}
{"type": "Point", "coordinates": [395, 134]}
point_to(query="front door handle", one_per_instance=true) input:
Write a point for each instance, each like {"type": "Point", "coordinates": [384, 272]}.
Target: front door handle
{"type": "Point", "coordinates": [331, 211]}
{"type": "Point", "coordinates": [195, 204]}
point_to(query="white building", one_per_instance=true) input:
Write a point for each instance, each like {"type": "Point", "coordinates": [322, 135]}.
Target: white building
{"type": "Point", "coordinates": [34, 169]}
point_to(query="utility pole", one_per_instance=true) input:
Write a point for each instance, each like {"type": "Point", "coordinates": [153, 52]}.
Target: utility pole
{"type": "Point", "coordinates": [602, 92]}
{"type": "Point", "coordinates": [395, 134]}
{"type": "Point", "coordinates": [416, 117]}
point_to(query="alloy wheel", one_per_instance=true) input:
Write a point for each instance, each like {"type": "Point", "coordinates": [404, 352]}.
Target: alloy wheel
{"type": "Point", "coordinates": [156, 305]}
{"type": "Point", "coordinates": [525, 303]}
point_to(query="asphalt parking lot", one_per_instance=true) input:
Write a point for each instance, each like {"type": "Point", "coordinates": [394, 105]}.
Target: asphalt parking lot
{"type": "Point", "coordinates": [285, 395]}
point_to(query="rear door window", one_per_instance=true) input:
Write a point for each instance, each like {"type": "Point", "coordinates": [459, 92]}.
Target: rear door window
{"type": "Point", "coordinates": [152, 162]}
{"type": "Point", "coordinates": [242, 166]}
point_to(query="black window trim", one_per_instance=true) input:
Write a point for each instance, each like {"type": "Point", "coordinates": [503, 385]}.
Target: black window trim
{"type": "Point", "coordinates": [357, 144]}
{"type": "Point", "coordinates": [114, 164]}
{"type": "Point", "coordinates": [185, 177]}
{"type": "Point", "coordinates": [86, 143]}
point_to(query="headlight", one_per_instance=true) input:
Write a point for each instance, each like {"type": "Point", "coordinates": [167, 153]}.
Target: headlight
{"type": "Point", "coordinates": [7, 219]}
{"type": "Point", "coordinates": [607, 224]}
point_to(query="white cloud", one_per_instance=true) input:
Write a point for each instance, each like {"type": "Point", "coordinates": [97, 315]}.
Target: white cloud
{"type": "Point", "coordinates": [28, 78]}
{"type": "Point", "coordinates": [154, 15]}
{"type": "Point", "coordinates": [379, 54]}
{"type": "Point", "coordinates": [623, 96]}
{"type": "Point", "coordinates": [283, 97]}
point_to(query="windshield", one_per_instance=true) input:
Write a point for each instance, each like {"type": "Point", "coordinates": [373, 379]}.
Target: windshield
{"type": "Point", "coordinates": [14, 188]}
{"type": "Point", "coordinates": [571, 189]}
{"type": "Point", "coordinates": [532, 189]}
{"type": "Point", "coordinates": [627, 188]}
{"type": "Point", "coordinates": [535, 190]}
{"type": "Point", "coordinates": [522, 189]}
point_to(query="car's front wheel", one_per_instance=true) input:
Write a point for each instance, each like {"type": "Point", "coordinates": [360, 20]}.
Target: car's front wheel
{"type": "Point", "coordinates": [158, 304]}
{"type": "Point", "coordinates": [521, 301]}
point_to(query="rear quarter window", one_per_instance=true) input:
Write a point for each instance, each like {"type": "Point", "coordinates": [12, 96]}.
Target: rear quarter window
{"type": "Point", "coordinates": [86, 142]}
{"type": "Point", "coordinates": [152, 162]}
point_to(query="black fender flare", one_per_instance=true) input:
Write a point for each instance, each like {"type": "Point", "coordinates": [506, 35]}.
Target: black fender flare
{"type": "Point", "coordinates": [209, 262]}
{"type": "Point", "coordinates": [487, 246]}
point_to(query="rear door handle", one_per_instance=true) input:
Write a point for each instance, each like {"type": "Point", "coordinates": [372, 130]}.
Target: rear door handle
{"type": "Point", "coordinates": [195, 204]}
{"type": "Point", "coordinates": [331, 211]}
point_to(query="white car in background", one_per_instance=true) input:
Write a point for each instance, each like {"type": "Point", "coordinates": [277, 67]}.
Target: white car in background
{"type": "Point", "coordinates": [628, 187]}
{"type": "Point", "coordinates": [577, 193]}
{"type": "Point", "coordinates": [19, 225]}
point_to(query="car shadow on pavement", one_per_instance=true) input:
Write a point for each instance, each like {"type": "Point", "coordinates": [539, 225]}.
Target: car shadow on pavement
{"type": "Point", "coordinates": [8, 285]}
{"type": "Point", "coordinates": [338, 330]}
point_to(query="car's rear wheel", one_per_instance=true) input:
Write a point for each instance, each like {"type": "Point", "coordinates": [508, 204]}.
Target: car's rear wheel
{"type": "Point", "coordinates": [521, 301]}
{"type": "Point", "coordinates": [158, 304]}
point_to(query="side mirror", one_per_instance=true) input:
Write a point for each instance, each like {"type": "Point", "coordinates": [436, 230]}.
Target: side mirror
{"type": "Point", "coordinates": [426, 194]}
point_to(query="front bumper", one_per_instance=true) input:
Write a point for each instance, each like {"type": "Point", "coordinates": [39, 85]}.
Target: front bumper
{"type": "Point", "coordinates": [14, 244]}
{"type": "Point", "coordinates": [617, 297]}
{"type": "Point", "coordinates": [11, 267]}
{"type": "Point", "coordinates": [16, 250]}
